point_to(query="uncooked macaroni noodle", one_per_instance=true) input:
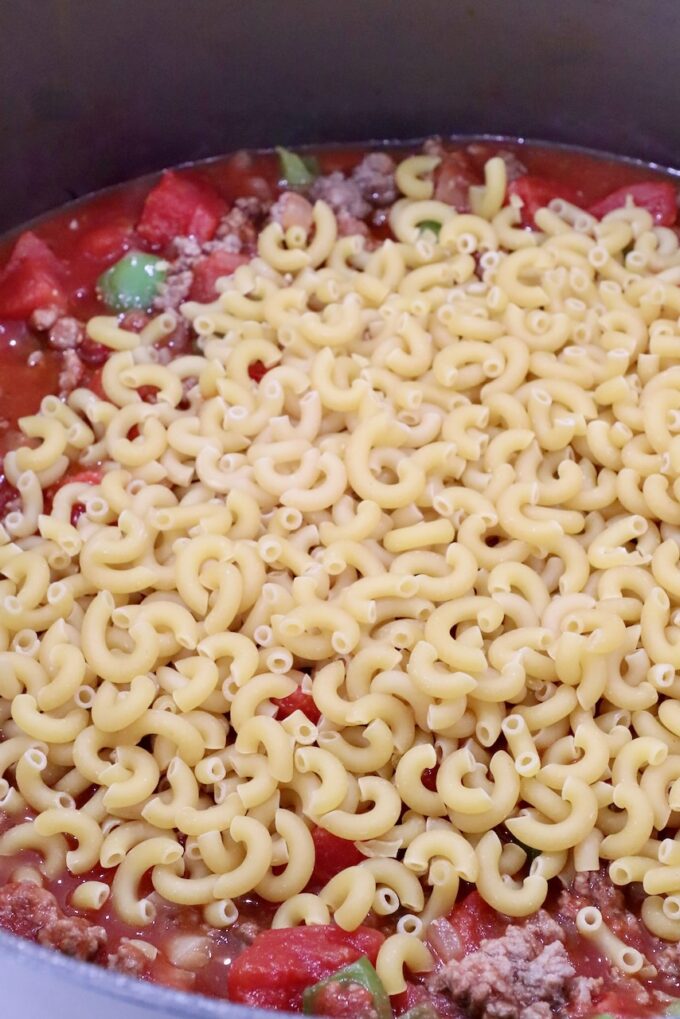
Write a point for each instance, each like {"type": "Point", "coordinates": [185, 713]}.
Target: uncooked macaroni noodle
{"type": "Point", "coordinates": [448, 513]}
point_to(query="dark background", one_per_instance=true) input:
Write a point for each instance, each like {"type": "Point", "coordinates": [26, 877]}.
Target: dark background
{"type": "Point", "coordinates": [94, 91]}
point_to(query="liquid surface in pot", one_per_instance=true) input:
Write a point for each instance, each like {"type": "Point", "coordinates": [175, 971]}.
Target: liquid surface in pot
{"type": "Point", "coordinates": [338, 637]}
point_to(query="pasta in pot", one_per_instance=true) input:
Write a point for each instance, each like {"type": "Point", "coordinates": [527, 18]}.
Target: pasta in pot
{"type": "Point", "coordinates": [452, 500]}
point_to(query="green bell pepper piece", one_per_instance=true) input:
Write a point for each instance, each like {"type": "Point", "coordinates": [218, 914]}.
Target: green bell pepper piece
{"type": "Point", "coordinates": [133, 281]}
{"type": "Point", "coordinates": [431, 226]}
{"type": "Point", "coordinates": [360, 972]}
{"type": "Point", "coordinates": [673, 1008]}
{"type": "Point", "coordinates": [423, 1010]}
{"type": "Point", "coordinates": [297, 171]}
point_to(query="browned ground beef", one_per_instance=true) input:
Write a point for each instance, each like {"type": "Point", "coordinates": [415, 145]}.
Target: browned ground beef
{"type": "Point", "coordinates": [240, 226]}
{"type": "Point", "coordinates": [32, 912]}
{"type": "Point", "coordinates": [71, 373]}
{"type": "Point", "coordinates": [66, 333]}
{"type": "Point", "coordinates": [375, 178]}
{"type": "Point", "coordinates": [594, 888]}
{"type": "Point", "coordinates": [129, 959]}
{"type": "Point", "coordinates": [525, 974]}
{"type": "Point", "coordinates": [342, 194]}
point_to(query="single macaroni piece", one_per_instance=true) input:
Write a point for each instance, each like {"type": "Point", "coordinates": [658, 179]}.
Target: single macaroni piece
{"type": "Point", "coordinates": [416, 580]}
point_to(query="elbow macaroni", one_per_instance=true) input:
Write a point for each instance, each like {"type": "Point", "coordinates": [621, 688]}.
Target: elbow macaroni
{"type": "Point", "coordinates": [445, 521]}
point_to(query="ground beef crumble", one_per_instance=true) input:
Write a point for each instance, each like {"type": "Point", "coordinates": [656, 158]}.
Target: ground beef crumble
{"type": "Point", "coordinates": [32, 912]}
{"type": "Point", "coordinates": [236, 234]}
{"type": "Point", "coordinates": [525, 974]}
{"type": "Point", "coordinates": [128, 959]}
{"type": "Point", "coordinates": [67, 333]}
{"type": "Point", "coordinates": [71, 373]}
{"type": "Point", "coordinates": [595, 888]}
{"type": "Point", "coordinates": [375, 178]}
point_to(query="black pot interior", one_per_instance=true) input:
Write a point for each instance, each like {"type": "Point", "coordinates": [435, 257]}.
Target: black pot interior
{"type": "Point", "coordinates": [93, 94]}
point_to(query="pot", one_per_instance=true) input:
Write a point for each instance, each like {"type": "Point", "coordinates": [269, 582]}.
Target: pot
{"type": "Point", "coordinates": [104, 92]}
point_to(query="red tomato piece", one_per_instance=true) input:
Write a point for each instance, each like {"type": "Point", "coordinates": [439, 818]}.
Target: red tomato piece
{"type": "Point", "coordinates": [147, 393]}
{"type": "Point", "coordinates": [180, 206]}
{"type": "Point", "coordinates": [278, 966]}
{"type": "Point", "coordinates": [475, 920]}
{"type": "Point", "coordinates": [453, 179]}
{"type": "Point", "coordinates": [429, 778]}
{"type": "Point", "coordinates": [31, 279]}
{"type": "Point", "coordinates": [537, 192]}
{"type": "Point", "coordinates": [106, 244]}
{"type": "Point", "coordinates": [92, 353]}
{"type": "Point", "coordinates": [333, 854]}
{"type": "Point", "coordinates": [257, 372]}
{"type": "Point", "coordinates": [209, 269]}
{"type": "Point", "coordinates": [297, 700]}
{"type": "Point", "coordinates": [658, 197]}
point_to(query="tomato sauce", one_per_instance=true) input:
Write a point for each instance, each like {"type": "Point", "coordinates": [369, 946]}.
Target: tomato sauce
{"type": "Point", "coordinates": [83, 240]}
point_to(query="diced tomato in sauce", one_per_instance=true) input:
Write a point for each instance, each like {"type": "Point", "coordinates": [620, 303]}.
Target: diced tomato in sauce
{"type": "Point", "coordinates": [106, 244]}
{"type": "Point", "coordinates": [537, 192]}
{"type": "Point", "coordinates": [275, 970]}
{"type": "Point", "coordinates": [473, 920]}
{"type": "Point", "coordinates": [27, 373]}
{"type": "Point", "coordinates": [297, 700]}
{"type": "Point", "coordinates": [93, 354]}
{"type": "Point", "coordinates": [33, 278]}
{"type": "Point", "coordinates": [180, 206]}
{"type": "Point", "coordinates": [658, 197]}
{"type": "Point", "coordinates": [333, 854]}
{"type": "Point", "coordinates": [453, 178]}
{"type": "Point", "coordinates": [209, 269]}
{"type": "Point", "coordinates": [257, 371]}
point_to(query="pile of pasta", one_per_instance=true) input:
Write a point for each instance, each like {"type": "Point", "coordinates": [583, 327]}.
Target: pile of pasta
{"type": "Point", "coordinates": [449, 512]}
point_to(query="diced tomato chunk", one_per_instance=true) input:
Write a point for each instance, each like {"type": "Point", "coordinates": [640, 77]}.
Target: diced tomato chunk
{"type": "Point", "coordinates": [208, 270]}
{"type": "Point", "coordinates": [453, 179]}
{"type": "Point", "coordinates": [656, 196]}
{"type": "Point", "coordinates": [257, 371]}
{"type": "Point", "coordinates": [474, 920]}
{"type": "Point", "coordinates": [92, 353]}
{"type": "Point", "coordinates": [33, 278]}
{"type": "Point", "coordinates": [106, 244]}
{"type": "Point", "coordinates": [278, 966]}
{"type": "Point", "coordinates": [333, 854]}
{"type": "Point", "coordinates": [297, 700]}
{"type": "Point", "coordinates": [537, 192]}
{"type": "Point", "coordinates": [180, 206]}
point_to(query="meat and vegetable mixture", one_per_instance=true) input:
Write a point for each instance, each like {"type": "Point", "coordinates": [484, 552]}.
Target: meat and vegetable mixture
{"type": "Point", "coordinates": [339, 591]}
